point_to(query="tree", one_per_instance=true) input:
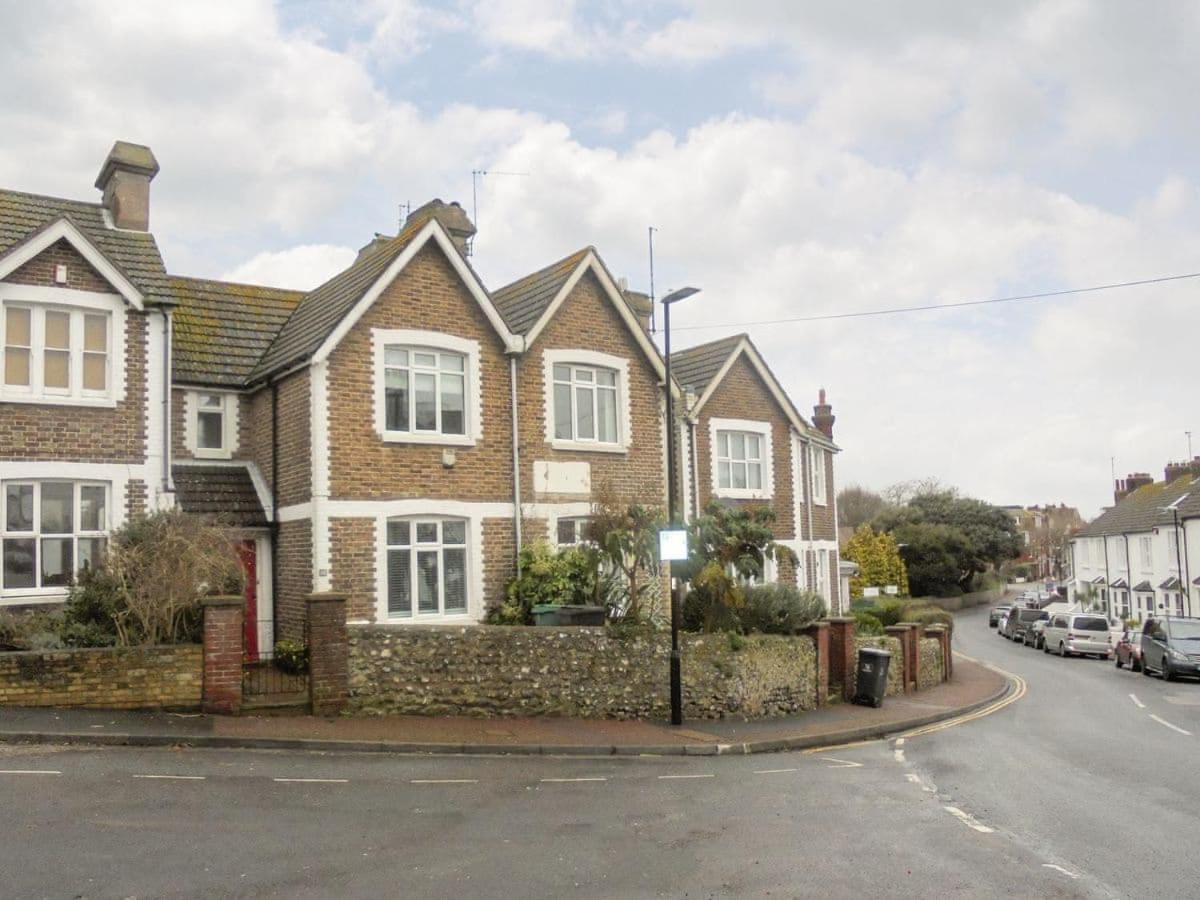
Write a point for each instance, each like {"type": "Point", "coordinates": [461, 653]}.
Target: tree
{"type": "Point", "coordinates": [734, 537]}
{"type": "Point", "coordinates": [857, 505]}
{"type": "Point", "coordinates": [879, 561]}
{"type": "Point", "coordinates": [977, 536]}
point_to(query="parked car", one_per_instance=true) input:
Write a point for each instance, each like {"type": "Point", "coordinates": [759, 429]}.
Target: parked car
{"type": "Point", "coordinates": [1083, 634]}
{"type": "Point", "coordinates": [1035, 632]}
{"type": "Point", "coordinates": [995, 614]}
{"type": "Point", "coordinates": [1129, 650]}
{"type": "Point", "coordinates": [1020, 619]}
{"type": "Point", "coordinates": [1003, 621]}
{"type": "Point", "coordinates": [1171, 647]}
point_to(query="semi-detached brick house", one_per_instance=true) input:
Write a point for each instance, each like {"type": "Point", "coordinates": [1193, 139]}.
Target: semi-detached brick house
{"type": "Point", "coordinates": [745, 443]}
{"type": "Point", "coordinates": [394, 434]}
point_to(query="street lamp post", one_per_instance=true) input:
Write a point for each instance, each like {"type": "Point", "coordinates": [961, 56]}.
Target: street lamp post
{"type": "Point", "coordinates": [676, 611]}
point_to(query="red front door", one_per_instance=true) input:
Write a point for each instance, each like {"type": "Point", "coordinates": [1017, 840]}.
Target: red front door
{"type": "Point", "coordinates": [248, 551]}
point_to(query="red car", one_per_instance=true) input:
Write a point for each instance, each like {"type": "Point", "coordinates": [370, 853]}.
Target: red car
{"type": "Point", "coordinates": [1129, 651]}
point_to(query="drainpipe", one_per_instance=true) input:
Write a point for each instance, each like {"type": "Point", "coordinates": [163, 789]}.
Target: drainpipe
{"type": "Point", "coordinates": [1128, 575]}
{"type": "Point", "coordinates": [274, 508]}
{"type": "Point", "coordinates": [805, 465]}
{"type": "Point", "coordinates": [1107, 580]}
{"type": "Point", "coordinates": [692, 426]}
{"type": "Point", "coordinates": [516, 463]}
{"type": "Point", "coordinates": [166, 403]}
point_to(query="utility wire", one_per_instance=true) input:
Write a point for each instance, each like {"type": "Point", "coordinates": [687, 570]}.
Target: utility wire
{"type": "Point", "coordinates": [935, 306]}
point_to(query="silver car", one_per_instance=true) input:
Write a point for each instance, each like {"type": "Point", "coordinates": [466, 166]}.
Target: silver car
{"type": "Point", "coordinates": [1082, 634]}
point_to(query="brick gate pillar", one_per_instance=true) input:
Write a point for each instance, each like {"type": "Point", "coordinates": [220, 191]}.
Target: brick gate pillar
{"type": "Point", "coordinates": [915, 630]}
{"type": "Point", "coordinates": [328, 653]}
{"type": "Point", "coordinates": [819, 632]}
{"type": "Point", "coordinates": [223, 649]}
{"type": "Point", "coordinates": [904, 660]}
{"type": "Point", "coordinates": [841, 653]}
{"type": "Point", "coordinates": [942, 633]}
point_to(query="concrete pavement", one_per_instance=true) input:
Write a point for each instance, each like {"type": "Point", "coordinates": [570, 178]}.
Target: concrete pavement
{"type": "Point", "coordinates": [973, 687]}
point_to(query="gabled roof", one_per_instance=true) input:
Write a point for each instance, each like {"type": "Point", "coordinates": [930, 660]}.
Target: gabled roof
{"type": "Point", "coordinates": [524, 301]}
{"type": "Point", "coordinates": [326, 313]}
{"type": "Point", "coordinates": [226, 492]}
{"type": "Point", "coordinates": [1143, 587]}
{"type": "Point", "coordinates": [529, 303]}
{"type": "Point", "coordinates": [133, 253]}
{"type": "Point", "coordinates": [1144, 509]}
{"type": "Point", "coordinates": [702, 368]}
{"type": "Point", "coordinates": [1171, 584]}
{"type": "Point", "coordinates": [222, 329]}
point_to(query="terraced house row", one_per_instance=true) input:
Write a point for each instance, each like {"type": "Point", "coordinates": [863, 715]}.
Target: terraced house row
{"type": "Point", "coordinates": [394, 434]}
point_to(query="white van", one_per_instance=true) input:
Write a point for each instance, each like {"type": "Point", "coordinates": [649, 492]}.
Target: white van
{"type": "Point", "coordinates": [1083, 634]}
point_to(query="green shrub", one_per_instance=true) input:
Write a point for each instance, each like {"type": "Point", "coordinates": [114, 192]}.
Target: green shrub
{"type": "Point", "coordinates": [928, 615]}
{"type": "Point", "coordinates": [778, 609]}
{"type": "Point", "coordinates": [713, 602]}
{"type": "Point", "coordinates": [291, 657]}
{"type": "Point", "coordinates": [737, 643]}
{"type": "Point", "coordinates": [866, 624]}
{"type": "Point", "coordinates": [549, 576]}
{"type": "Point", "coordinates": [30, 631]}
{"type": "Point", "coordinates": [889, 612]}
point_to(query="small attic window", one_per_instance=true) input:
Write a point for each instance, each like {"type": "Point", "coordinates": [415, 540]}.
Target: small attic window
{"type": "Point", "coordinates": [211, 424]}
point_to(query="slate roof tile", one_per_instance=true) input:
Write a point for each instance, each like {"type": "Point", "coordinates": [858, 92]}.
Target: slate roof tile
{"type": "Point", "coordinates": [1143, 509]}
{"type": "Point", "coordinates": [225, 492]}
{"type": "Point", "coordinates": [522, 302]}
{"type": "Point", "coordinates": [696, 367]}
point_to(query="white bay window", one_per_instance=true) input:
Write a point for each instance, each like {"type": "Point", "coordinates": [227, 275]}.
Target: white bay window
{"type": "Point", "coordinates": [51, 530]}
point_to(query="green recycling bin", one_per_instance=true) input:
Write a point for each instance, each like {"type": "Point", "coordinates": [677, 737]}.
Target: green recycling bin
{"type": "Point", "coordinates": [872, 676]}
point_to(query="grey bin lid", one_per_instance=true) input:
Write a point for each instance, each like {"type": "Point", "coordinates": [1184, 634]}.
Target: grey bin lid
{"type": "Point", "coordinates": [875, 651]}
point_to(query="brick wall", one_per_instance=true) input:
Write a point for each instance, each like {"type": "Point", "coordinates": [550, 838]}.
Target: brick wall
{"type": "Point", "coordinates": [295, 441]}
{"type": "Point", "coordinates": [294, 554]}
{"type": "Point", "coordinates": [108, 678]}
{"type": "Point", "coordinates": [254, 425]}
{"type": "Point", "coordinates": [587, 321]}
{"type": "Point", "coordinates": [86, 434]}
{"type": "Point", "coordinates": [428, 295]}
{"type": "Point", "coordinates": [354, 569]}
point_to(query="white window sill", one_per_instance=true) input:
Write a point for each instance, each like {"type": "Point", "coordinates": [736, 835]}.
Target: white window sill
{"type": "Point", "coordinates": [820, 502]}
{"type": "Point", "coordinates": [209, 453]}
{"type": "Point", "coordinates": [444, 619]}
{"type": "Point", "coordinates": [30, 596]}
{"type": "Point", "coordinates": [588, 447]}
{"type": "Point", "coordinates": [442, 440]}
{"type": "Point", "coordinates": [58, 400]}
{"type": "Point", "coordinates": [736, 494]}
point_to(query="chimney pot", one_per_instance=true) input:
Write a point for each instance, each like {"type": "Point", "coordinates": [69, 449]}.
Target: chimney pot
{"type": "Point", "coordinates": [823, 417]}
{"type": "Point", "coordinates": [124, 180]}
{"type": "Point", "coordinates": [451, 216]}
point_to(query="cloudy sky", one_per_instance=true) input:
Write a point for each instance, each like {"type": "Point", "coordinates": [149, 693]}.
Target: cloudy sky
{"type": "Point", "coordinates": [797, 159]}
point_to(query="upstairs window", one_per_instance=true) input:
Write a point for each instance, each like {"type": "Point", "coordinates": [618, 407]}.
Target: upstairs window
{"type": "Point", "coordinates": [211, 431]}
{"type": "Point", "coordinates": [1146, 544]}
{"type": "Point", "coordinates": [572, 530]}
{"type": "Point", "coordinates": [585, 404]}
{"type": "Point", "coordinates": [817, 458]}
{"type": "Point", "coordinates": [56, 353]}
{"type": "Point", "coordinates": [50, 531]}
{"type": "Point", "coordinates": [426, 568]}
{"type": "Point", "coordinates": [425, 391]}
{"type": "Point", "coordinates": [739, 461]}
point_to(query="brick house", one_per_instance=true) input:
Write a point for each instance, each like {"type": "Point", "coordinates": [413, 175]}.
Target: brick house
{"type": "Point", "coordinates": [393, 434]}
{"type": "Point", "coordinates": [744, 442]}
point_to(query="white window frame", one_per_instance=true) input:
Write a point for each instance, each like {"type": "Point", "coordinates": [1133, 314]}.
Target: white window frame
{"type": "Point", "coordinates": [468, 613]}
{"type": "Point", "coordinates": [77, 304]}
{"type": "Point", "coordinates": [437, 342]}
{"type": "Point", "coordinates": [764, 431]}
{"type": "Point", "coordinates": [1146, 549]}
{"type": "Point", "coordinates": [588, 359]}
{"type": "Point", "coordinates": [818, 475]}
{"type": "Point", "coordinates": [579, 525]}
{"type": "Point", "coordinates": [37, 591]}
{"type": "Point", "coordinates": [229, 424]}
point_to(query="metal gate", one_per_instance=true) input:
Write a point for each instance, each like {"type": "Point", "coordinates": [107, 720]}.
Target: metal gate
{"type": "Point", "coordinates": [272, 675]}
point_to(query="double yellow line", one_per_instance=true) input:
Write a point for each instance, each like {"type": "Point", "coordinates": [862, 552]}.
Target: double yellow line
{"type": "Point", "coordinates": [1020, 688]}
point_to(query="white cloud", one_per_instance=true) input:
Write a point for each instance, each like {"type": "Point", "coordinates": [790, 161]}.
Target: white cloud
{"type": "Point", "coordinates": [888, 177]}
{"type": "Point", "coordinates": [299, 268]}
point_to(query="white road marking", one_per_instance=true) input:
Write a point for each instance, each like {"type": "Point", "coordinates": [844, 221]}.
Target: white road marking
{"type": "Point", "coordinates": [1169, 725]}
{"type": "Point", "coordinates": [444, 781]}
{"type": "Point", "coordinates": [29, 772]}
{"type": "Point", "coordinates": [898, 755]}
{"type": "Point", "coordinates": [774, 771]}
{"type": "Point", "coordinates": [176, 777]}
{"type": "Point", "coordinates": [671, 777]}
{"type": "Point", "coordinates": [1136, 702]}
{"type": "Point", "coordinates": [967, 819]}
{"type": "Point", "coordinates": [914, 778]}
{"type": "Point", "coordinates": [843, 763]}
{"type": "Point", "coordinates": [312, 780]}
{"type": "Point", "coordinates": [1060, 869]}
{"type": "Point", "coordinates": [925, 785]}
{"type": "Point", "coordinates": [899, 742]}
{"type": "Point", "coordinates": [569, 780]}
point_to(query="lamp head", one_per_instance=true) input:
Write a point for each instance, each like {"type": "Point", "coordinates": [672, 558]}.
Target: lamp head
{"type": "Point", "coordinates": [681, 294]}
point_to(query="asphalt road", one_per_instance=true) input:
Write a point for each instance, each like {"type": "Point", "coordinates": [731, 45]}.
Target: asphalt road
{"type": "Point", "coordinates": [1071, 791]}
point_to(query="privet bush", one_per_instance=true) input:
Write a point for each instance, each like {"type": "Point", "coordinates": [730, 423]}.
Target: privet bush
{"type": "Point", "coordinates": [866, 624]}
{"type": "Point", "coordinates": [779, 609]}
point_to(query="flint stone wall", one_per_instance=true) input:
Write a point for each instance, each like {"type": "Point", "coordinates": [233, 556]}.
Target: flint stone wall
{"type": "Point", "coordinates": [585, 672]}
{"type": "Point", "coordinates": [104, 678]}
{"type": "Point", "coordinates": [932, 664]}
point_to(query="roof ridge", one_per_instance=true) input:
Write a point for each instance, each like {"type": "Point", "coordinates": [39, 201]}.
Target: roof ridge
{"type": "Point", "coordinates": [95, 204]}
{"type": "Point", "coordinates": [546, 268]}
{"type": "Point", "coordinates": [246, 284]}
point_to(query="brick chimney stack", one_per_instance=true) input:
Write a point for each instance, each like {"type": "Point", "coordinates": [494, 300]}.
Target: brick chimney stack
{"type": "Point", "coordinates": [1179, 469]}
{"type": "Point", "coordinates": [453, 218]}
{"type": "Point", "coordinates": [1126, 486]}
{"type": "Point", "coordinates": [125, 180]}
{"type": "Point", "coordinates": [823, 417]}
